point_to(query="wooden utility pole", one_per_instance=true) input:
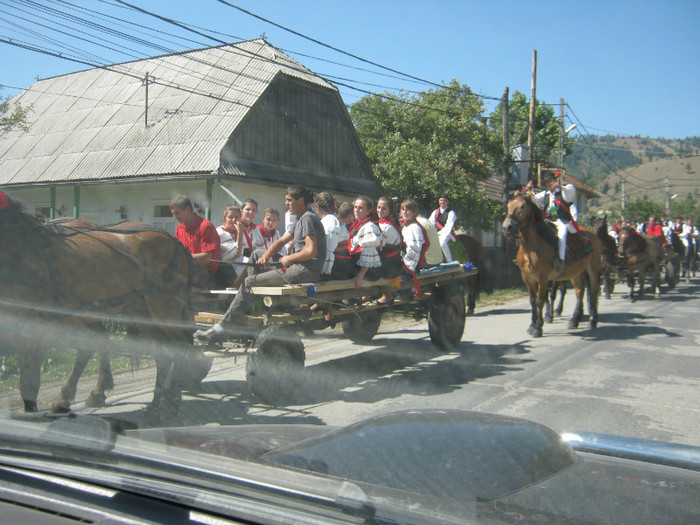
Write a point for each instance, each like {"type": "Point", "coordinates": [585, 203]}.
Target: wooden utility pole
{"type": "Point", "coordinates": [533, 101]}
{"type": "Point", "coordinates": [506, 142]}
{"type": "Point", "coordinates": [561, 133]}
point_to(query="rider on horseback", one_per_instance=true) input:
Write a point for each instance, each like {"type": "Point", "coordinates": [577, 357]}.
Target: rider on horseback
{"type": "Point", "coordinates": [559, 204]}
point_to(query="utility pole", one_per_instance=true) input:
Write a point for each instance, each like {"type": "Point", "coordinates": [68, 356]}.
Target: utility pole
{"type": "Point", "coordinates": [668, 196]}
{"type": "Point", "coordinates": [506, 142]}
{"type": "Point", "coordinates": [561, 133]}
{"type": "Point", "coordinates": [624, 194]}
{"type": "Point", "coordinates": [531, 129]}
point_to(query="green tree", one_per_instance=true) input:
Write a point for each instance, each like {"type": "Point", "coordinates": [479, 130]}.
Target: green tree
{"type": "Point", "coordinates": [13, 116]}
{"type": "Point", "coordinates": [641, 209]}
{"type": "Point", "coordinates": [546, 150]}
{"type": "Point", "coordinates": [431, 143]}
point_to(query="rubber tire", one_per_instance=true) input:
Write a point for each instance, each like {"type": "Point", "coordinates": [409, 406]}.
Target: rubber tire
{"type": "Point", "coordinates": [273, 371]}
{"type": "Point", "coordinates": [446, 317]}
{"type": "Point", "coordinates": [362, 328]}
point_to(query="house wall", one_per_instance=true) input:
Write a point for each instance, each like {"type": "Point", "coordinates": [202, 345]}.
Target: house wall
{"type": "Point", "coordinates": [101, 203]}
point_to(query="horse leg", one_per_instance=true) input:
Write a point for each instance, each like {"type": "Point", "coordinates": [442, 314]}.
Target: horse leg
{"type": "Point", "coordinates": [593, 287]}
{"type": "Point", "coordinates": [472, 292]}
{"type": "Point", "coordinates": [29, 376]}
{"type": "Point", "coordinates": [560, 305]}
{"type": "Point", "coordinates": [105, 381]}
{"type": "Point", "coordinates": [61, 404]}
{"type": "Point", "coordinates": [579, 289]}
{"type": "Point", "coordinates": [551, 297]}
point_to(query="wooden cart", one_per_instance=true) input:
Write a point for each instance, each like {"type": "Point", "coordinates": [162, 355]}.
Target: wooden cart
{"type": "Point", "coordinates": [271, 340]}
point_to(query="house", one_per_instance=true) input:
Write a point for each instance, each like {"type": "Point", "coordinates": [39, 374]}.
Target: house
{"type": "Point", "coordinates": [232, 121]}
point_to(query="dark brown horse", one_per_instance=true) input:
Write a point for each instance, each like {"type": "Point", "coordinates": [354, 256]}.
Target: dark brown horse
{"type": "Point", "coordinates": [611, 259]}
{"type": "Point", "coordinates": [641, 255]}
{"type": "Point", "coordinates": [535, 258]}
{"type": "Point", "coordinates": [59, 280]}
{"type": "Point", "coordinates": [475, 251]}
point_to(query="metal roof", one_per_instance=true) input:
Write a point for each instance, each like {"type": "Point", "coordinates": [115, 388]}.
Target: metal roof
{"type": "Point", "coordinates": [90, 125]}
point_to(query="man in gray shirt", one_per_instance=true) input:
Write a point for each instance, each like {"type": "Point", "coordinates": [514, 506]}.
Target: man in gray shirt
{"type": "Point", "coordinates": [304, 265]}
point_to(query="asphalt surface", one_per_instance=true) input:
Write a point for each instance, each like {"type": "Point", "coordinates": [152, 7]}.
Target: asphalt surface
{"type": "Point", "coordinates": [637, 374]}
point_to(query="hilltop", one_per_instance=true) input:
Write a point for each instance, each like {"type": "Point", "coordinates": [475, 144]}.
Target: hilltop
{"type": "Point", "coordinates": [655, 167]}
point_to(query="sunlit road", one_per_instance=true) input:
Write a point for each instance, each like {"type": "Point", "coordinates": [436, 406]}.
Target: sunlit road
{"type": "Point", "coordinates": [638, 374]}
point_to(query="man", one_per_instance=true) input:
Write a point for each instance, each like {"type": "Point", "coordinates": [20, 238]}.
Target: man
{"type": "Point", "coordinates": [303, 265]}
{"type": "Point", "coordinates": [201, 239]}
{"type": "Point", "coordinates": [654, 228]}
{"type": "Point", "coordinates": [558, 202]}
{"type": "Point", "coordinates": [444, 219]}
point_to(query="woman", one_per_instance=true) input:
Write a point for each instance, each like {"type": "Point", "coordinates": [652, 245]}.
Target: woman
{"type": "Point", "coordinates": [390, 252]}
{"type": "Point", "coordinates": [343, 266]}
{"type": "Point", "coordinates": [231, 236]}
{"type": "Point", "coordinates": [414, 237]}
{"type": "Point", "coordinates": [365, 241]}
{"type": "Point", "coordinates": [335, 231]}
{"type": "Point", "coordinates": [252, 238]}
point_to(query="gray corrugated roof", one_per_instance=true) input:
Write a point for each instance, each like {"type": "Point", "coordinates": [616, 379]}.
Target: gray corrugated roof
{"type": "Point", "coordinates": [90, 125]}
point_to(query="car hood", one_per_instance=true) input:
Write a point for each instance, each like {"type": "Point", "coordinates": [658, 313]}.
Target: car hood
{"type": "Point", "coordinates": [509, 468]}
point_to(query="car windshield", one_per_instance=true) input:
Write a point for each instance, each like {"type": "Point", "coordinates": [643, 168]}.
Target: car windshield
{"type": "Point", "coordinates": [243, 280]}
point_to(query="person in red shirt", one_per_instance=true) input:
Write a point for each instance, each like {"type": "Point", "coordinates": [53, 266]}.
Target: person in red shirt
{"type": "Point", "coordinates": [201, 239]}
{"type": "Point", "coordinates": [654, 228]}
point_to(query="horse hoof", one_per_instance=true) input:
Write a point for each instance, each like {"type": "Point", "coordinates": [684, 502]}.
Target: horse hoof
{"type": "Point", "coordinates": [60, 409]}
{"type": "Point", "coordinates": [470, 311]}
{"type": "Point", "coordinates": [535, 332]}
{"type": "Point", "coordinates": [549, 319]}
{"type": "Point", "coordinates": [96, 400]}
{"type": "Point", "coordinates": [572, 325]}
{"type": "Point", "coordinates": [30, 406]}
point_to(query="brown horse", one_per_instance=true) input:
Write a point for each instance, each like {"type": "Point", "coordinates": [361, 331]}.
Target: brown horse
{"type": "Point", "coordinates": [536, 255]}
{"type": "Point", "coordinates": [610, 257]}
{"type": "Point", "coordinates": [641, 255]}
{"type": "Point", "coordinates": [60, 279]}
{"type": "Point", "coordinates": [474, 251]}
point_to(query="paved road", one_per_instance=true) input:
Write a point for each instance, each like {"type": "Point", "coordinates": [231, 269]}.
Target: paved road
{"type": "Point", "coordinates": [638, 374]}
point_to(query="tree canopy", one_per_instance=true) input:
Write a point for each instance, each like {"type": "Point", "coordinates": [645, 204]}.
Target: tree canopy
{"type": "Point", "coordinates": [426, 144]}
{"type": "Point", "coordinates": [13, 116]}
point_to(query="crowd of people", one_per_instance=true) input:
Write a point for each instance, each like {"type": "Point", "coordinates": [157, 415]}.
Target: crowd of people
{"type": "Point", "coordinates": [665, 229]}
{"type": "Point", "coordinates": [323, 239]}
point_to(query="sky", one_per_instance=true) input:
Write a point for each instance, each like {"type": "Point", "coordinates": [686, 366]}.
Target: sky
{"type": "Point", "coordinates": [623, 67]}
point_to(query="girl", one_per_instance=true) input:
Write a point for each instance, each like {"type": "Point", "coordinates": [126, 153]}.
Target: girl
{"type": "Point", "coordinates": [251, 237]}
{"type": "Point", "coordinates": [231, 236]}
{"type": "Point", "coordinates": [268, 229]}
{"type": "Point", "coordinates": [365, 241]}
{"type": "Point", "coordinates": [335, 231]}
{"type": "Point", "coordinates": [390, 252]}
{"type": "Point", "coordinates": [343, 267]}
{"type": "Point", "coordinates": [414, 245]}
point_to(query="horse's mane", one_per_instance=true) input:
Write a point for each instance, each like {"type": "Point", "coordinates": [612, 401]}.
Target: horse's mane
{"type": "Point", "coordinates": [543, 228]}
{"type": "Point", "coordinates": [17, 222]}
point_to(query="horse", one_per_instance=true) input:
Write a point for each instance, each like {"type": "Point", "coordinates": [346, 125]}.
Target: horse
{"type": "Point", "coordinates": [689, 257]}
{"type": "Point", "coordinates": [551, 311]}
{"type": "Point", "coordinates": [641, 254]}
{"type": "Point", "coordinates": [60, 280]}
{"type": "Point", "coordinates": [675, 252]}
{"type": "Point", "coordinates": [475, 250]}
{"type": "Point", "coordinates": [538, 245]}
{"type": "Point", "coordinates": [611, 259]}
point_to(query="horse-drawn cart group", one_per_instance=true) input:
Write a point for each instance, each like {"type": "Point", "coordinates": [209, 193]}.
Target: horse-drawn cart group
{"type": "Point", "coordinates": [61, 280]}
{"type": "Point", "coordinates": [67, 277]}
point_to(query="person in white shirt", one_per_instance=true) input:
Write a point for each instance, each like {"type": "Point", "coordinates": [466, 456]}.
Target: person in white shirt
{"type": "Point", "coordinates": [231, 236]}
{"type": "Point", "coordinates": [335, 231]}
{"type": "Point", "coordinates": [557, 202]}
{"type": "Point", "coordinates": [444, 219]}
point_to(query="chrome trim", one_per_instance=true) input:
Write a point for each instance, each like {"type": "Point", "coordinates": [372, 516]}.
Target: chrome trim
{"type": "Point", "coordinates": [647, 450]}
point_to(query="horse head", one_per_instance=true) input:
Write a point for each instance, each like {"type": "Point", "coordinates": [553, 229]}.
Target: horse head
{"type": "Point", "coordinates": [520, 212]}
{"type": "Point", "coordinates": [630, 242]}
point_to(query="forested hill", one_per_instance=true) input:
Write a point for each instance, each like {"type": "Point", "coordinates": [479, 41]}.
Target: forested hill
{"type": "Point", "coordinates": [644, 163]}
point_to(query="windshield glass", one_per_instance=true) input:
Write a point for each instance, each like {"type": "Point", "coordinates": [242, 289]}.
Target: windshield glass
{"type": "Point", "coordinates": [270, 277]}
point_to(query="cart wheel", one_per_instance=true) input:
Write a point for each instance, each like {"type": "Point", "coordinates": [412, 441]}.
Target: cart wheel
{"type": "Point", "coordinates": [274, 369]}
{"type": "Point", "coordinates": [446, 317]}
{"type": "Point", "coordinates": [361, 328]}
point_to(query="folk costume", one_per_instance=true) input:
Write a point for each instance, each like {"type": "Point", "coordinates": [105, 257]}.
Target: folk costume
{"type": "Point", "coordinates": [266, 237]}
{"type": "Point", "coordinates": [434, 254]}
{"type": "Point", "coordinates": [390, 252]}
{"type": "Point", "coordinates": [363, 245]}
{"type": "Point", "coordinates": [559, 207]}
{"type": "Point", "coordinates": [444, 220]}
{"type": "Point", "coordinates": [200, 236]}
{"type": "Point", "coordinates": [229, 257]}
{"type": "Point", "coordinates": [336, 233]}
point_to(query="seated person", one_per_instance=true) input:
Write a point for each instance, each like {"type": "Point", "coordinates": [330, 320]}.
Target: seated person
{"type": "Point", "coordinates": [304, 265]}
{"type": "Point", "coordinates": [199, 236]}
{"type": "Point", "coordinates": [414, 238]}
{"type": "Point", "coordinates": [335, 231]}
{"type": "Point", "coordinates": [231, 237]}
{"type": "Point", "coordinates": [654, 228]}
{"type": "Point", "coordinates": [365, 241]}
{"type": "Point", "coordinates": [268, 229]}
{"type": "Point", "coordinates": [343, 267]}
{"type": "Point", "coordinates": [390, 252]}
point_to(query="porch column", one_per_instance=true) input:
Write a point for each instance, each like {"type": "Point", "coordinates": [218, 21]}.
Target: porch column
{"type": "Point", "coordinates": [76, 201]}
